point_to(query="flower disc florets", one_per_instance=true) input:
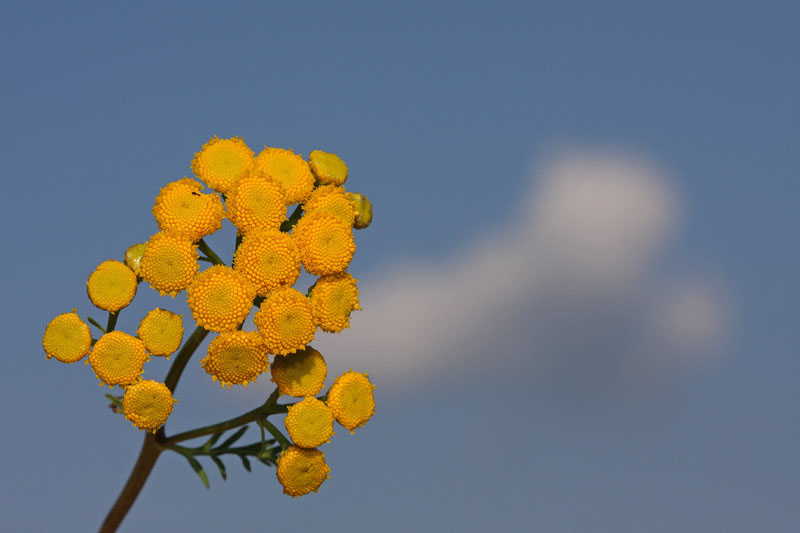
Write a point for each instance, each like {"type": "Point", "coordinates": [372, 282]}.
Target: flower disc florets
{"type": "Point", "coordinates": [269, 259]}
{"type": "Point", "coordinates": [181, 209]}
{"type": "Point", "coordinates": [220, 298]}
{"type": "Point", "coordinates": [290, 170]}
{"type": "Point", "coordinates": [256, 202]}
{"type": "Point", "coordinates": [161, 332]}
{"type": "Point", "coordinates": [333, 298]}
{"type": "Point", "coordinates": [328, 168]}
{"type": "Point", "coordinates": [352, 400]}
{"type": "Point", "coordinates": [301, 373]}
{"type": "Point", "coordinates": [285, 321]}
{"type": "Point", "coordinates": [118, 358]}
{"type": "Point", "coordinates": [67, 338]}
{"type": "Point", "coordinates": [333, 200]}
{"type": "Point", "coordinates": [111, 286]}
{"type": "Point", "coordinates": [326, 244]}
{"type": "Point", "coordinates": [169, 263]}
{"type": "Point", "coordinates": [147, 404]}
{"type": "Point", "coordinates": [222, 161]}
{"type": "Point", "coordinates": [309, 423]}
{"type": "Point", "coordinates": [302, 470]}
{"type": "Point", "coordinates": [236, 358]}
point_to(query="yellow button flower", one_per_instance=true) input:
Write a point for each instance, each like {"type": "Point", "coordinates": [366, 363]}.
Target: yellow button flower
{"type": "Point", "coordinates": [301, 373]}
{"type": "Point", "coordinates": [236, 358]}
{"type": "Point", "coordinates": [147, 404]}
{"type": "Point", "coordinates": [67, 338]}
{"type": "Point", "coordinates": [169, 263]}
{"type": "Point", "coordinates": [333, 200]}
{"type": "Point", "coordinates": [181, 209]}
{"type": "Point", "coordinates": [111, 286]}
{"type": "Point", "coordinates": [269, 259]}
{"type": "Point", "coordinates": [220, 298]}
{"type": "Point", "coordinates": [118, 358]}
{"type": "Point", "coordinates": [290, 170]}
{"type": "Point", "coordinates": [222, 161]}
{"type": "Point", "coordinates": [302, 470]}
{"type": "Point", "coordinates": [309, 423]}
{"type": "Point", "coordinates": [333, 298]}
{"type": "Point", "coordinates": [285, 321]}
{"type": "Point", "coordinates": [363, 208]}
{"type": "Point", "coordinates": [256, 202]}
{"type": "Point", "coordinates": [328, 168]}
{"type": "Point", "coordinates": [161, 332]}
{"type": "Point", "coordinates": [326, 244]}
{"type": "Point", "coordinates": [351, 399]}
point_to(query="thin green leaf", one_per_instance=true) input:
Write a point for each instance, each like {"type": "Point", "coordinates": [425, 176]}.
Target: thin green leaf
{"type": "Point", "coordinates": [210, 442]}
{"type": "Point", "coordinates": [198, 468]}
{"type": "Point", "coordinates": [221, 467]}
{"type": "Point", "coordinates": [245, 463]}
{"type": "Point", "coordinates": [95, 323]}
{"type": "Point", "coordinates": [233, 438]}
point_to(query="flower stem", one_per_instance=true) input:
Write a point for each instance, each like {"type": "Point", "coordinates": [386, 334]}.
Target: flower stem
{"type": "Point", "coordinates": [112, 321]}
{"type": "Point", "coordinates": [275, 432]}
{"type": "Point", "coordinates": [206, 249]}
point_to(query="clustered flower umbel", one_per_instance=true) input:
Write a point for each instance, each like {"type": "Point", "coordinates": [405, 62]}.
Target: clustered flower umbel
{"type": "Point", "coordinates": [254, 193]}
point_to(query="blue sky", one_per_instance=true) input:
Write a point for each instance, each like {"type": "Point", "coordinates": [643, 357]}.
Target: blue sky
{"type": "Point", "coordinates": [580, 288]}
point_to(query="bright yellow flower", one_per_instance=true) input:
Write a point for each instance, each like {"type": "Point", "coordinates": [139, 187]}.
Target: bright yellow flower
{"type": "Point", "coordinates": [333, 298]}
{"type": "Point", "coordinates": [302, 470]}
{"type": "Point", "coordinates": [133, 256]}
{"type": "Point", "coordinates": [236, 358]}
{"type": "Point", "coordinates": [220, 298]}
{"type": "Point", "coordinates": [269, 259]}
{"type": "Point", "coordinates": [285, 321]}
{"type": "Point", "coordinates": [111, 286]}
{"type": "Point", "coordinates": [147, 404]}
{"type": "Point", "coordinates": [301, 373]}
{"type": "Point", "coordinates": [181, 209]}
{"type": "Point", "coordinates": [326, 244]}
{"type": "Point", "coordinates": [118, 358]}
{"type": "Point", "coordinates": [169, 263]}
{"type": "Point", "coordinates": [363, 208]}
{"type": "Point", "coordinates": [290, 170]}
{"type": "Point", "coordinates": [222, 161]}
{"type": "Point", "coordinates": [333, 200]}
{"type": "Point", "coordinates": [256, 202]}
{"type": "Point", "coordinates": [351, 399]}
{"type": "Point", "coordinates": [309, 423]}
{"type": "Point", "coordinates": [328, 168]}
{"type": "Point", "coordinates": [161, 331]}
{"type": "Point", "coordinates": [67, 338]}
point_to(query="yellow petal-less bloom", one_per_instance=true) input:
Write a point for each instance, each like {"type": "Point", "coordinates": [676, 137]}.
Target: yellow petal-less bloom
{"type": "Point", "coordinates": [363, 208]}
{"type": "Point", "coordinates": [169, 263]}
{"type": "Point", "coordinates": [133, 256]}
{"type": "Point", "coordinates": [329, 169]}
{"type": "Point", "coordinates": [220, 298]}
{"type": "Point", "coordinates": [333, 200]}
{"type": "Point", "coordinates": [222, 161]}
{"type": "Point", "coordinates": [118, 358]}
{"type": "Point", "coordinates": [111, 286]}
{"type": "Point", "coordinates": [256, 202]}
{"type": "Point", "coordinates": [236, 358]}
{"type": "Point", "coordinates": [147, 404]}
{"type": "Point", "coordinates": [290, 170]}
{"type": "Point", "coordinates": [301, 373]}
{"type": "Point", "coordinates": [302, 470]}
{"type": "Point", "coordinates": [309, 423]}
{"type": "Point", "coordinates": [269, 259]}
{"type": "Point", "coordinates": [181, 209]}
{"type": "Point", "coordinates": [67, 338]}
{"type": "Point", "coordinates": [285, 321]}
{"type": "Point", "coordinates": [333, 298]}
{"type": "Point", "coordinates": [352, 400]}
{"type": "Point", "coordinates": [161, 332]}
{"type": "Point", "coordinates": [326, 244]}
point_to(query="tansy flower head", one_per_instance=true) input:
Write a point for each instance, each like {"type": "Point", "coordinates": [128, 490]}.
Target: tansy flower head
{"type": "Point", "coordinates": [285, 321]}
{"type": "Point", "coordinates": [302, 470]}
{"type": "Point", "coordinates": [309, 423]}
{"type": "Point", "coordinates": [147, 404]}
{"type": "Point", "coordinates": [351, 399]}
{"type": "Point", "coordinates": [133, 256]}
{"type": "Point", "coordinates": [328, 168]}
{"type": "Point", "coordinates": [363, 208]}
{"type": "Point", "coordinates": [222, 161]}
{"type": "Point", "coordinates": [183, 210]}
{"type": "Point", "coordinates": [333, 298]}
{"type": "Point", "coordinates": [269, 259]}
{"type": "Point", "coordinates": [220, 298]}
{"type": "Point", "coordinates": [161, 331]}
{"type": "Point", "coordinates": [301, 373]}
{"type": "Point", "coordinates": [169, 263]}
{"type": "Point", "coordinates": [326, 244]}
{"type": "Point", "coordinates": [118, 358]}
{"type": "Point", "coordinates": [236, 358]}
{"type": "Point", "coordinates": [288, 169]}
{"type": "Point", "coordinates": [111, 286]}
{"type": "Point", "coordinates": [256, 202]}
{"type": "Point", "coordinates": [67, 338]}
{"type": "Point", "coordinates": [333, 200]}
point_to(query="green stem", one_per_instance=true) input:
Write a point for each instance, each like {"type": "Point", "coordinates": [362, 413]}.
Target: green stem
{"type": "Point", "coordinates": [96, 324]}
{"type": "Point", "coordinates": [291, 222]}
{"type": "Point", "coordinates": [183, 357]}
{"type": "Point", "coordinates": [206, 249]}
{"type": "Point", "coordinates": [112, 321]}
{"type": "Point", "coordinates": [275, 432]}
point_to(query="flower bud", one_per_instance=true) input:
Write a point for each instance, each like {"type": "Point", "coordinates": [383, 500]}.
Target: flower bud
{"type": "Point", "coordinates": [133, 256]}
{"type": "Point", "coordinates": [363, 209]}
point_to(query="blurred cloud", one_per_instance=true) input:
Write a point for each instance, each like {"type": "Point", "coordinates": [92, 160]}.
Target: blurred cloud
{"type": "Point", "coordinates": [570, 290]}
